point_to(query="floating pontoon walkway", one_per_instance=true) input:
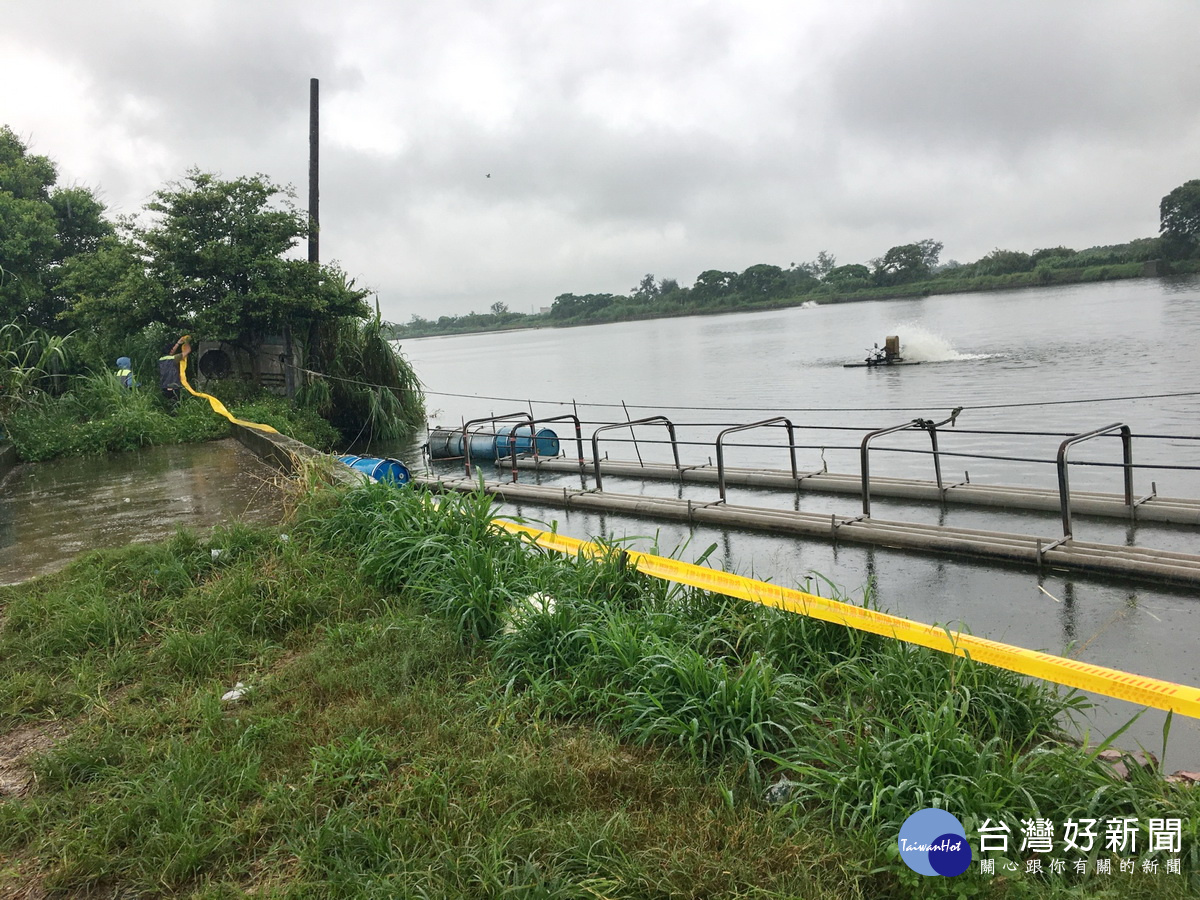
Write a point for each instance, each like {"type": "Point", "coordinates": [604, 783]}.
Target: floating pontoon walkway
{"type": "Point", "coordinates": [1139, 563]}
{"type": "Point", "coordinates": [1171, 510]}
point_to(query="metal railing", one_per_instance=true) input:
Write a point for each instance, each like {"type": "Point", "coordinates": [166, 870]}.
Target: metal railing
{"type": "Point", "coordinates": [865, 451]}
{"type": "Point", "coordinates": [569, 417]}
{"type": "Point", "coordinates": [466, 438]}
{"type": "Point", "coordinates": [723, 443]}
{"type": "Point", "coordinates": [649, 420]}
{"type": "Point", "coordinates": [1064, 487]}
{"type": "Point", "coordinates": [778, 420]}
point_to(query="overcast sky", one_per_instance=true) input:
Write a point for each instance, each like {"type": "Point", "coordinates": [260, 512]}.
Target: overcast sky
{"type": "Point", "coordinates": [626, 136]}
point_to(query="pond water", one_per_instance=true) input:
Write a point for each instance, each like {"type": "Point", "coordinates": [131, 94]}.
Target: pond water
{"type": "Point", "coordinates": [52, 511]}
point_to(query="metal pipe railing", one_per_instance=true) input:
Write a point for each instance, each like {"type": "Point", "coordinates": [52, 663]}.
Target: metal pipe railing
{"type": "Point", "coordinates": [646, 421]}
{"type": "Point", "coordinates": [865, 450]}
{"type": "Point", "coordinates": [791, 432]}
{"type": "Point", "coordinates": [569, 417]}
{"type": "Point", "coordinates": [1064, 487]}
{"type": "Point", "coordinates": [466, 446]}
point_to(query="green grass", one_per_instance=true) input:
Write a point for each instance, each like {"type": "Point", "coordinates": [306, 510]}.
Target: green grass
{"type": "Point", "coordinates": [405, 736]}
{"type": "Point", "coordinates": [97, 415]}
{"type": "Point", "coordinates": [371, 390]}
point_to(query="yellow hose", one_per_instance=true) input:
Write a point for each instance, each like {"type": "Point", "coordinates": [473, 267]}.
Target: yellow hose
{"type": "Point", "coordinates": [217, 405]}
{"type": "Point", "coordinates": [1153, 692]}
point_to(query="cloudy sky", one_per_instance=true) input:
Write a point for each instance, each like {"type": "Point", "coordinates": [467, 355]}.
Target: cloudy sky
{"type": "Point", "coordinates": [626, 136]}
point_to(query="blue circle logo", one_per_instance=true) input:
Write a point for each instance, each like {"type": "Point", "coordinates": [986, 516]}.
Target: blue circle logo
{"type": "Point", "coordinates": [933, 842]}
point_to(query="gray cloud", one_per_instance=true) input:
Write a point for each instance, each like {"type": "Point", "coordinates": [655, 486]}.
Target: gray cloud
{"type": "Point", "coordinates": [628, 137]}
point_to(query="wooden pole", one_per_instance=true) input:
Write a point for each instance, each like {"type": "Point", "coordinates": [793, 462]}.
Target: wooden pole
{"type": "Point", "coordinates": [314, 191]}
{"type": "Point", "coordinates": [314, 217]}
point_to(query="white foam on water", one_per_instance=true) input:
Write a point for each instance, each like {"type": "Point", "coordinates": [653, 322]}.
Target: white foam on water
{"type": "Point", "coordinates": [919, 344]}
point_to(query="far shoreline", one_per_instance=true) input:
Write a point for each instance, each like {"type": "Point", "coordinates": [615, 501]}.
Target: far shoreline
{"type": "Point", "coordinates": [917, 291]}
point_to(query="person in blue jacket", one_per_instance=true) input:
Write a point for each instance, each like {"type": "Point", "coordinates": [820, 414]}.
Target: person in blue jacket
{"type": "Point", "coordinates": [125, 372]}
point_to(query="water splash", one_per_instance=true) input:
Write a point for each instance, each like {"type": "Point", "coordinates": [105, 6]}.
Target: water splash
{"type": "Point", "coordinates": [922, 345]}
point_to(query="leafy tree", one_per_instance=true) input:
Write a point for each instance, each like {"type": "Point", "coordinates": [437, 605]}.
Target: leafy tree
{"type": "Point", "coordinates": [1052, 253]}
{"type": "Point", "coordinates": [841, 273]}
{"type": "Point", "coordinates": [1004, 262]}
{"type": "Point", "coordinates": [570, 306]}
{"type": "Point", "coordinates": [1179, 214]}
{"type": "Point", "coordinates": [110, 288]}
{"type": "Point", "coordinates": [761, 282]}
{"type": "Point", "coordinates": [212, 259]}
{"type": "Point", "coordinates": [908, 262]}
{"type": "Point", "coordinates": [851, 277]}
{"type": "Point", "coordinates": [931, 250]}
{"type": "Point", "coordinates": [799, 281]}
{"type": "Point", "coordinates": [41, 227]}
{"type": "Point", "coordinates": [81, 222]}
{"type": "Point", "coordinates": [647, 290]}
{"type": "Point", "coordinates": [820, 267]}
{"type": "Point", "coordinates": [712, 285]}
{"type": "Point", "coordinates": [498, 309]}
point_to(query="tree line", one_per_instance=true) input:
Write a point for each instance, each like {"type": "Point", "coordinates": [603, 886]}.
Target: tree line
{"type": "Point", "coordinates": [912, 269]}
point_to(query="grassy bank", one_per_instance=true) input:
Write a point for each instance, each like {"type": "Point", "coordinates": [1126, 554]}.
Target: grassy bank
{"type": "Point", "coordinates": [406, 734]}
{"type": "Point", "coordinates": [96, 415]}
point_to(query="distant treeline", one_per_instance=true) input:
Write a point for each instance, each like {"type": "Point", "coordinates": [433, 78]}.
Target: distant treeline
{"type": "Point", "coordinates": [904, 271]}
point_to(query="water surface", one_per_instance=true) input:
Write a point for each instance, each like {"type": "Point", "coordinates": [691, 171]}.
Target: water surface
{"type": "Point", "coordinates": [52, 511]}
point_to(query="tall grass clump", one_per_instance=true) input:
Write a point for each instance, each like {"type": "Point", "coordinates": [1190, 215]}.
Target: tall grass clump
{"type": "Point", "coordinates": [869, 729]}
{"type": "Point", "coordinates": [32, 362]}
{"type": "Point", "coordinates": [60, 397]}
{"type": "Point", "coordinates": [377, 752]}
{"type": "Point", "coordinates": [366, 387]}
{"type": "Point", "coordinates": [96, 414]}
{"type": "Point", "coordinates": [448, 554]}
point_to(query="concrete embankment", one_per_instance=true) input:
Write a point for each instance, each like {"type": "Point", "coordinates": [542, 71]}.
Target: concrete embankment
{"type": "Point", "coordinates": [8, 458]}
{"type": "Point", "coordinates": [287, 454]}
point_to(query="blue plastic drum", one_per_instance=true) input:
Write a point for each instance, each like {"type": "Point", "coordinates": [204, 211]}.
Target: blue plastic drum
{"type": "Point", "coordinates": [445, 443]}
{"type": "Point", "coordinates": [390, 470]}
{"type": "Point", "coordinates": [520, 440]}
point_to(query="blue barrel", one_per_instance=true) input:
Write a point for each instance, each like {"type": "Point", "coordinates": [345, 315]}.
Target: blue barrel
{"type": "Point", "coordinates": [446, 443]}
{"type": "Point", "coordinates": [521, 441]}
{"type": "Point", "coordinates": [377, 469]}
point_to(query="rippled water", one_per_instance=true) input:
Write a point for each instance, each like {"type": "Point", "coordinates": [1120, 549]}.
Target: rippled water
{"type": "Point", "coordinates": [50, 512]}
{"type": "Point", "coordinates": [981, 351]}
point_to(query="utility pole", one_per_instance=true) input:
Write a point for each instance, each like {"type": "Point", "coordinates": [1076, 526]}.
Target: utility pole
{"type": "Point", "coordinates": [314, 219]}
{"type": "Point", "coordinates": [314, 190]}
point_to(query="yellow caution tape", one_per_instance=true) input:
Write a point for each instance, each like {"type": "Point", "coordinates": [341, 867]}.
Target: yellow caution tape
{"type": "Point", "coordinates": [217, 405]}
{"type": "Point", "coordinates": [1072, 673]}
